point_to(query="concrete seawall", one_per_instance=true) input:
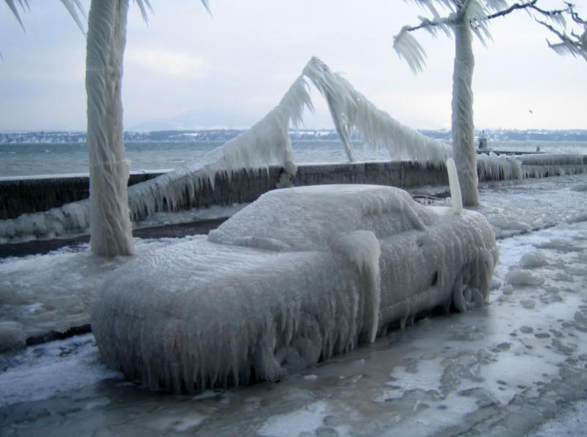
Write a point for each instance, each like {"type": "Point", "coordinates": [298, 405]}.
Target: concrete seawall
{"type": "Point", "coordinates": [28, 195]}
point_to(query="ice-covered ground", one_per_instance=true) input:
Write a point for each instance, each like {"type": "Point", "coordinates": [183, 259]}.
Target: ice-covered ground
{"type": "Point", "coordinates": [500, 370]}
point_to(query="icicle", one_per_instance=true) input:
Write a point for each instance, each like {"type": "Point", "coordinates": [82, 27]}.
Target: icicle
{"type": "Point", "coordinates": [363, 250]}
{"type": "Point", "coordinates": [455, 187]}
{"type": "Point", "coordinates": [498, 167]}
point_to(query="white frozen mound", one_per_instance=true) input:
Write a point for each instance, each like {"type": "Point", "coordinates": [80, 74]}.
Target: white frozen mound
{"type": "Point", "coordinates": [523, 277]}
{"type": "Point", "coordinates": [533, 260]}
{"type": "Point", "coordinates": [297, 276]}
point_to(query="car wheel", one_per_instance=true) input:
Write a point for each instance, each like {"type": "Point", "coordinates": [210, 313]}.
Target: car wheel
{"type": "Point", "coordinates": [471, 286]}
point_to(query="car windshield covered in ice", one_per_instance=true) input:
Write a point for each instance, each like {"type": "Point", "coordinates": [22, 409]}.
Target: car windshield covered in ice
{"type": "Point", "coordinates": [312, 218]}
{"type": "Point", "coordinates": [294, 278]}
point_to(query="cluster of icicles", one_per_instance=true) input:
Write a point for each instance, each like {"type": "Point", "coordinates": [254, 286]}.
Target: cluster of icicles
{"type": "Point", "coordinates": [264, 144]}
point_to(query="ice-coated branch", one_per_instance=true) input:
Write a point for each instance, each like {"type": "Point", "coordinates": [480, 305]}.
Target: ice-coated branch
{"type": "Point", "coordinates": [555, 15]}
{"type": "Point", "coordinates": [352, 110]}
{"type": "Point", "coordinates": [512, 8]}
{"type": "Point", "coordinates": [74, 7]}
{"type": "Point", "coordinates": [408, 48]}
{"type": "Point", "coordinates": [575, 15]}
{"type": "Point", "coordinates": [146, 8]}
{"type": "Point", "coordinates": [574, 44]}
{"type": "Point", "coordinates": [430, 5]}
{"type": "Point", "coordinates": [479, 13]}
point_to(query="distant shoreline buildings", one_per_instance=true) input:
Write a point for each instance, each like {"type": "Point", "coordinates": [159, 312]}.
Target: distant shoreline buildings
{"type": "Point", "coordinates": [222, 135]}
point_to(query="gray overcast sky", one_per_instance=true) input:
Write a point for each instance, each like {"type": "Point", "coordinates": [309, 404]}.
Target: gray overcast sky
{"type": "Point", "coordinates": [186, 69]}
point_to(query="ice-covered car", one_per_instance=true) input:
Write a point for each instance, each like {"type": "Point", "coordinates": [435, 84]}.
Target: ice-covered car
{"type": "Point", "coordinates": [294, 278]}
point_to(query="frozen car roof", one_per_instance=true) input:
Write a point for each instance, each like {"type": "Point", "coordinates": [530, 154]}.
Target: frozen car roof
{"type": "Point", "coordinates": [308, 218]}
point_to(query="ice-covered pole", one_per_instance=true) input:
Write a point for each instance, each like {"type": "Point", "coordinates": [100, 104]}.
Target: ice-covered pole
{"type": "Point", "coordinates": [464, 152]}
{"type": "Point", "coordinates": [110, 225]}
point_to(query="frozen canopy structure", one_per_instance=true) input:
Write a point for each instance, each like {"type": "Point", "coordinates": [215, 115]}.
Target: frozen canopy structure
{"type": "Point", "coordinates": [266, 143]}
{"type": "Point", "coordinates": [296, 277]}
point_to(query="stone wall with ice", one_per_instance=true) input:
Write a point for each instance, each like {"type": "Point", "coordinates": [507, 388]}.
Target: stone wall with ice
{"type": "Point", "coordinates": [184, 190]}
{"type": "Point", "coordinates": [544, 165]}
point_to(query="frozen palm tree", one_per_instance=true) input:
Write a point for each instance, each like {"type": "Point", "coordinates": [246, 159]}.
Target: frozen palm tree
{"type": "Point", "coordinates": [465, 18]}
{"type": "Point", "coordinates": [110, 225]}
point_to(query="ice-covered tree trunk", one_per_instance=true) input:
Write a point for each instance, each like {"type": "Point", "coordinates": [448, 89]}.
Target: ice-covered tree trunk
{"type": "Point", "coordinates": [462, 113]}
{"type": "Point", "coordinates": [110, 227]}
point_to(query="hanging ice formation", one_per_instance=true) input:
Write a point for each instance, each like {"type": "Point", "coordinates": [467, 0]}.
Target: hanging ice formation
{"type": "Point", "coordinates": [351, 110]}
{"type": "Point", "coordinates": [264, 144]}
{"type": "Point", "coordinates": [539, 166]}
{"type": "Point", "coordinates": [455, 188]}
{"type": "Point", "coordinates": [494, 167]}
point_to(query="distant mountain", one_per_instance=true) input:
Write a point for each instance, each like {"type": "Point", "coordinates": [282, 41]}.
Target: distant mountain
{"type": "Point", "coordinates": [223, 135]}
{"type": "Point", "coordinates": [197, 120]}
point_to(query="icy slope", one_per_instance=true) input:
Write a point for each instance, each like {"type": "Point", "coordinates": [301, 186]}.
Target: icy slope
{"type": "Point", "coordinates": [296, 277]}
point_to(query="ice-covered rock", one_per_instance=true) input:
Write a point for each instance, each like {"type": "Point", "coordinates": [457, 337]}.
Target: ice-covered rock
{"type": "Point", "coordinates": [294, 278]}
{"type": "Point", "coordinates": [523, 277]}
{"type": "Point", "coordinates": [533, 260]}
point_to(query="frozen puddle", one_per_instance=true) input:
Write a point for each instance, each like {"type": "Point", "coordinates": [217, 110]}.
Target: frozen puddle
{"type": "Point", "coordinates": [500, 370]}
{"type": "Point", "coordinates": [519, 207]}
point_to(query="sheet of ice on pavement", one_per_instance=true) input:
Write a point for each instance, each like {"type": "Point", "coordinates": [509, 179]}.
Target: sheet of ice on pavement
{"type": "Point", "coordinates": [496, 371]}
{"type": "Point", "coordinates": [34, 374]}
{"type": "Point", "coordinates": [44, 293]}
{"type": "Point", "coordinates": [570, 422]}
{"type": "Point", "coordinates": [191, 215]}
{"type": "Point", "coordinates": [517, 207]}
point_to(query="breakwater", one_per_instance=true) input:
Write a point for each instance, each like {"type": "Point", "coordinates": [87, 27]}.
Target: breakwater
{"type": "Point", "coordinates": [36, 194]}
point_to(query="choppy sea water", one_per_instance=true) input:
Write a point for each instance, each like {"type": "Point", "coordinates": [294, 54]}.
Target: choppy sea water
{"type": "Point", "coordinates": [51, 159]}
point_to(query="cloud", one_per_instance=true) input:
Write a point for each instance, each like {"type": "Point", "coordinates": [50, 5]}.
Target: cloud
{"type": "Point", "coordinates": [168, 63]}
